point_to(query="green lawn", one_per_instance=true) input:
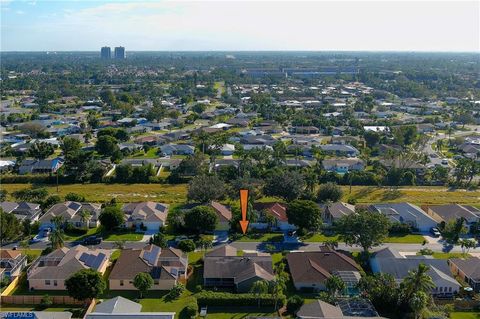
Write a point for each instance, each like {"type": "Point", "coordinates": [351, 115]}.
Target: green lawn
{"type": "Point", "coordinates": [261, 237]}
{"type": "Point", "coordinates": [405, 239]}
{"type": "Point", "coordinates": [464, 315]}
{"type": "Point", "coordinates": [438, 255]}
{"type": "Point", "coordinates": [318, 238]}
{"type": "Point", "coordinates": [239, 312]}
{"type": "Point", "coordinates": [127, 235]}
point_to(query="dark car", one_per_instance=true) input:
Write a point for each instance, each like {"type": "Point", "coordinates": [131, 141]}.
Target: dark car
{"type": "Point", "coordinates": [435, 232]}
{"type": "Point", "coordinates": [92, 240]}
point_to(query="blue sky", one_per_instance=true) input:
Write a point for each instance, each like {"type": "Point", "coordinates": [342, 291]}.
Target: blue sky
{"type": "Point", "coordinates": [46, 25]}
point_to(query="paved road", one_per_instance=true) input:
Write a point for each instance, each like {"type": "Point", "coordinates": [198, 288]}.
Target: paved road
{"type": "Point", "coordinates": [438, 247]}
{"type": "Point", "coordinates": [315, 246]}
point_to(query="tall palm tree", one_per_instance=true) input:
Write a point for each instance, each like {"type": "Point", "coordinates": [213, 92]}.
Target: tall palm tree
{"type": "Point", "coordinates": [57, 221]}
{"type": "Point", "coordinates": [85, 217]}
{"type": "Point", "coordinates": [57, 238]}
{"type": "Point", "coordinates": [335, 285]}
{"type": "Point", "coordinates": [259, 288]}
{"type": "Point", "coordinates": [417, 280]}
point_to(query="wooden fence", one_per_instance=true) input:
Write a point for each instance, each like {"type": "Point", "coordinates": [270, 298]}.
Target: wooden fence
{"type": "Point", "coordinates": [36, 300]}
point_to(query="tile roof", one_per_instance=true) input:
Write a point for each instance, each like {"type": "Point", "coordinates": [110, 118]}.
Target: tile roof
{"type": "Point", "coordinates": [470, 267]}
{"type": "Point", "coordinates": [317, 266]}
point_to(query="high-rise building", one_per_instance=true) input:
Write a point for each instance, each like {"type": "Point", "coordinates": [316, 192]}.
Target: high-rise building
{"type": "Point", "coordinates": [119, 53]}
{"type": "Point", "coordinates": [106, 53]}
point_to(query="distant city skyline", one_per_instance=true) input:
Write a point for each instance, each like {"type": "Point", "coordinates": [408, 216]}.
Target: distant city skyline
{"type": "Point", "coordinates": [448, 26]}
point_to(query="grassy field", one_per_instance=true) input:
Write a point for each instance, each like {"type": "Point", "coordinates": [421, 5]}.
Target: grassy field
{"type": "Point", "coordinates": [464, 315]}
{"type": "Point", "coordinates": [416, 195]}
{"type": "Point", "coordinates": [124, 193]}
{"type": "Point", "coordinates": [177, 193]}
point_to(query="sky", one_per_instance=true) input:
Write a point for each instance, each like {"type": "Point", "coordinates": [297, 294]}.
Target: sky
{"type": "Point", "coordinates": [387, 25]}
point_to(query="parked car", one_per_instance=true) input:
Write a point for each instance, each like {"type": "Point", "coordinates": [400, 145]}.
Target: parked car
{"type": "Point", "coordinates": [92, 240]}
{"type": "Point", "coordinates": [445, 161]}
{"type": "Point", "coordinates": [435, 232]}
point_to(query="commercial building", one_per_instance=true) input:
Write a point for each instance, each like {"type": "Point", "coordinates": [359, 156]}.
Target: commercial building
{"type": "Point", "coordinates": [106, 53]}
{"type": "Point", "coordinates": [119, 53]}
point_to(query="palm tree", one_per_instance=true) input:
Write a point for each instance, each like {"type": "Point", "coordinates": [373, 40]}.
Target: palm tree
{"type": "Point", "coordinates": [57, 221]}
{"type": "Point", "coordinates": [276, 287]}
{"type": "Point", "coordinates": [57, 238]}
{"type": "Point", "coordinates": [417, 280]}
{"type": "Point", "coordinates": [259, 288]}
{"type": "Point", "coordinates": [418, 302]}
{"type": "Point", "coordinates": [85, 217]}
{"type": "Point", "coordinates": [335, 285]}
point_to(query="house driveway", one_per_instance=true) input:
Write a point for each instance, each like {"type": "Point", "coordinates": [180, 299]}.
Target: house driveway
{"type": "Point", "coordinates": [220, 236]}
{"type": "Point", "coordinates": [148, 234]}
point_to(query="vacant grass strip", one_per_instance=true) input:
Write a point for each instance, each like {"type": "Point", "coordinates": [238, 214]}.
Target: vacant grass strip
{"type": "Point", "coordinates": [465, 315]}
{"type": "Point", "coordinates": [427, 195]}
{"type": "Point", "coordinates": [259, 237]}
{"type": "Point", "coordinates": [123, 193]}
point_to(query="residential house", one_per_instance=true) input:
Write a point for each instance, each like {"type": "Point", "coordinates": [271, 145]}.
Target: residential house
{"type": "Point", "coordinates": [450, 212]}
{"type": "Point", "coordinates": [333, 212]}
{"type": "Point", "coordinates": [71, 212]}
{"type": "Point", "coordinates": [340, 150]}
{"type": "Point", "coordinates": [311, 269]}
{"type": "Point", "coordinates": [224, 215]}
{"type": "Point", "coordinates": [123, 308]}
{"type": "Point", "coordinates": [49, 272]}
{"type": "Point", "coordinates": [12, 262]}
{"type": "Point", "coordinates": [304, 130]}
{"type": "Point", "coordinates": [167, 266]}
{"type": "Point", "coordinates": [224, 269]}
{"type": "Point", "coordinates": [345, 309]}
{"type": "Point", "coordinates": [227, 150]}
{"type": "Point", "coordinates": [33, 166]}
{"type": "Point", "coordinates": [22, 210]}
{"type": "Point", "coordinates": [391, 262]}
{"type": "Point", "coordinates": [343, 165]}
{"type": "Point", "coordinates": [468, 270]}
{"type": "Point", "coordinates": [276, 210]}
{"type": "Point", "coordinates": [177, 149]}
{"type": "Point", "coordinates": [150, 215]}
{"type": "Point", "coordinates": [406, 213]}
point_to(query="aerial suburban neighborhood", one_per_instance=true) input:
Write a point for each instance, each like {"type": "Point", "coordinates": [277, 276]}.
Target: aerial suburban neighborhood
{"type": "Point", "coordinates": [239, 184]}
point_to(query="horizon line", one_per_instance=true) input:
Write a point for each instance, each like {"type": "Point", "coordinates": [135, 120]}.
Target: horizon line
{"type": "Point", "coordinates": [241, 51]}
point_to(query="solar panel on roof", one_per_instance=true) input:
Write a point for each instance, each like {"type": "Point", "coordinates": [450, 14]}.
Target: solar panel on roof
{"type": "Point", "coordinates": [152, 256]}
{"type": "Point", "coordinates": [84, 257]}
{"type": "Point", "coordinates": [155, 272]}
{"type": "Point", "coordinates": [90, 260]}
{"type": "Point", "coordinates": [98, 261]}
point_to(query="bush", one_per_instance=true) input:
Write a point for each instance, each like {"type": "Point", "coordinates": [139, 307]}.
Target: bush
{"type": "Point", "coordinates": [399, 228]}
{"type": "Point", "coordinates": [186, 245]}
{"type": "Point", "coordinates": [175, 292]}
{"type": "Point", "coordinates": [224, 299]}
{"type": "Point", "coordinates": [329, 192]}
{"type": "Point", "coordinates": [74, 197]}
{"type": "Point", "coordinates": [75, 231]}
{"type": "Point", "coordinates": [426, 251]}
{"type": "Point", "coordinates": [190, 310]}
{"type": "Point", "coordinates": [294, 303]}
{"type": "Point", "coordinates": [46, 301]}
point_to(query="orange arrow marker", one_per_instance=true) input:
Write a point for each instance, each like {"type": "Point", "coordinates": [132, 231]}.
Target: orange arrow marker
{"type": "Point", "coordinates": [243, 206]}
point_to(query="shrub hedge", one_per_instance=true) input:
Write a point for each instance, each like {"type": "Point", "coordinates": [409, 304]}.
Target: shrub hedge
{"type": "Point", "coordinates": [212, 298]}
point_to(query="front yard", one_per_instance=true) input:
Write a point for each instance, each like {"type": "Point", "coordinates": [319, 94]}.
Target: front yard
{"type": "Point", "coordinates": [464, 315]}
{"type": "Point", "coordinates": [261, 237]}
{"type": "Point", "coordinates": [127, 235]}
